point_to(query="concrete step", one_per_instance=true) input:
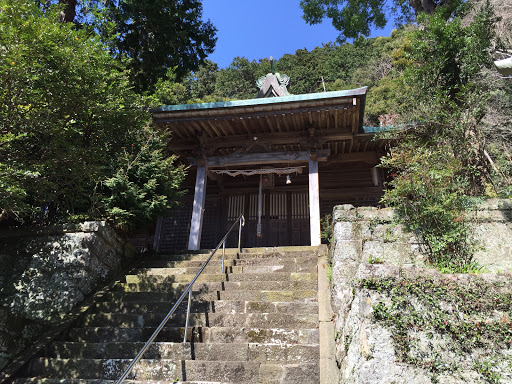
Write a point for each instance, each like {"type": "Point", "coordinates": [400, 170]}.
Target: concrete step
{"type": "Point", "coordinates": [217, 286]}
{"type": "Point", "coordinates": [249, 295]}
{"type": "Point", "coordinates": [237, 334]}
{"type": "Point", "coordinates": [221, 306]}
{"type": "Point", "coordinates": [165, 276]}
{"type": "Point", "coordinates": [288, 354]}
{"type": "Point", "coordinates": [173, 370]}
{"type": "Point", "coordinates": [268, 320]}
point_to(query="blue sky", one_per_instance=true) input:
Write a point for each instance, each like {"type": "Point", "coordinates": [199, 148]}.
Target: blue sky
{"type": "Point", "coordinates": [261, 28]}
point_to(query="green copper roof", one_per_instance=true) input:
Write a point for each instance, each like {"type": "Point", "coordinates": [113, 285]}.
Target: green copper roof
{"type": "Point", "coordinates": [263, 101]}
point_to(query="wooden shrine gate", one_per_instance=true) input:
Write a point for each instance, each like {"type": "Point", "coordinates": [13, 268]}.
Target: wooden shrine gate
{"type": "Point", "coordinates": [284, 219]}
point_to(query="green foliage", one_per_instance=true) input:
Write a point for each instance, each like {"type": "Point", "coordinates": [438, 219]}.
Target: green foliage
{"type": "Point", "coordinates": [351, 18]}
{"type": "Point", "coordinates": [486, 369]}
{"type": "Point", "coordinates": [238, 81]}
{"type": "Point", "coordinates": [145, 184]}
{"type": "Point", "coordinates": [160, 34]}
{"type": "Point", "coordinates": [428, 195]}
{"type": "Point", "coordinates": [375, 259]}
{"type": "Point", "coordinates": [169, 92]}
{"type": "Point", "coordinates": [354, 18]}
{"type": "Point", "coordinates": [438, 162]}
{"type": "Point", "coordinates": [304, 71]}
{"type": "Point", "coordinates": [66, 111]}
{"type": "Point", "coordinates": [153, 36]}
{"type": "Point", "coordinates": [329, 270]}
{"type": "Point", "coordinates": [201, 83]}
{"type": "Point", "coordinates": [326, 224]}
{"type": "Point", "coordinates": [341, 66]}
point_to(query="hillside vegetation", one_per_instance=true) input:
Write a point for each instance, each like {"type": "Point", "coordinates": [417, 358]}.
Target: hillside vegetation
{"type": "Point", "coordinates": [434, 87]}
{"type": "Point", "coordinates": [77, 81]}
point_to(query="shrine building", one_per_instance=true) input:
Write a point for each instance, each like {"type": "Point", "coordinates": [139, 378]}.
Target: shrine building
{"type": "Point", "coordinates": [283, 161]}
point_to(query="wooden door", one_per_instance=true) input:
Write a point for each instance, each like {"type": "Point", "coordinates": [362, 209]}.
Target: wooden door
{"type": "Point", "coordinates": [284, 219]}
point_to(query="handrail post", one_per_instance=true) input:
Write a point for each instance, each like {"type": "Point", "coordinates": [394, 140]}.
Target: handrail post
{"type": "Point", "coordinates": [240, 233]}
{"type": "Point", "coordinates": [188, 314]}
{"type": "Point", "coordinates": [223, 253]}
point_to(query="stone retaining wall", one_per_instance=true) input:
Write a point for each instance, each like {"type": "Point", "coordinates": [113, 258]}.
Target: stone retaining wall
{"type": "Point", "coordinates": [46, 272]}
{"type": "Point", "coordinates": [367, 246]}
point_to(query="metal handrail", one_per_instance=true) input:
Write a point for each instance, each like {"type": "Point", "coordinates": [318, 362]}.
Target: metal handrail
{"type": "Point", "coordinates": [137, 358]}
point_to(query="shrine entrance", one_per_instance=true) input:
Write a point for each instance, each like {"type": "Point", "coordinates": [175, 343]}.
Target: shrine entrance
{"type": "Point", "coordinates": [320, 133]}
{"type": "Point", "coordinates": [276, 212]}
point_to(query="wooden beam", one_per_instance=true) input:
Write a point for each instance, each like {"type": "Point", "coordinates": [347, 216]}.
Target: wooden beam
{"type": "Point", "coordinates": [276, 138]}
{"type": "Point", "coordinates": [362, 157]}
{"type": "Point", "coordinates": [314, 202]}
{"type": "Point", "coordinates": [196, 223]}
{"type": "Point", "coordinates": [261, 158]}
{"type": "Point", "coordinates": [349, 193]}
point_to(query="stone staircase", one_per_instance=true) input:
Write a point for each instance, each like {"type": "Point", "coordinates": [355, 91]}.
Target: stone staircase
{"type": "Point", "coordinates": [255, 323]}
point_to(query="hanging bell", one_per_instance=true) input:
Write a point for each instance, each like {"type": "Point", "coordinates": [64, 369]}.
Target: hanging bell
{"type": "Point", "coordinates": [288, 180]}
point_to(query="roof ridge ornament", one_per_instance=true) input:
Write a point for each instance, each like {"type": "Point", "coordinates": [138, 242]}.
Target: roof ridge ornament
{"type": "Point", "coordinates": [273, 84]}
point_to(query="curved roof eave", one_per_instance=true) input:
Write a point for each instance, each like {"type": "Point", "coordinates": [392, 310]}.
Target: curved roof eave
{"type": "Point", "coordinates": [263, 101]}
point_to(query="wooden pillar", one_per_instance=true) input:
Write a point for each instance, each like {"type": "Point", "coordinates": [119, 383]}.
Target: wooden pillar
{"type": "Point", "coordinates": [314, 201]}
{"type": "Point", "coordinates": [196, 224]}
{"type": "Point", "coordinates": [375, 176]}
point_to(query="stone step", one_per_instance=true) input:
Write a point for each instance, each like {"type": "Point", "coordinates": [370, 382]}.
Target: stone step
{"type": "Point", "coordinates": [217, 269]}
{"type": "Point", "coordinates": [300, 261]}
{"type": "Point", "coordinates": [268, 320]}
{"type": "Point", "coordinates": [221, 306]}
{"type": "Point", "coordinates": [288, 354]}
{"type": "Point", "coordinates": [217, 286]}
{"type": "Point", "coordinates": [173, 370]}
{"type": "Point", "coordinates": [166, 277]}
{"type": "Point", "coordinates": [283, 252]}
{"type": "Point", "coordinates": [254, 322]}
{"type": "Point", "coordinates": [197, 334]}
{"type": "Point", "coordinates": [249, 295]}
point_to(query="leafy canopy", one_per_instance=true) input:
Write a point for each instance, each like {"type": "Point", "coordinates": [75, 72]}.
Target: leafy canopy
{"type": "Point", "coordinates": [354, 18]}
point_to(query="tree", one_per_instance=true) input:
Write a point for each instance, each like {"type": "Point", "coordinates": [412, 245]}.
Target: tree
{"type": "Point", "coordinates": [154, 35]}
{"type": "Point", "coordinates": [201, 83]}
{"type": "Point", "coordinates": [304, 71]}
{"type": "Point", "coordinates": [238, 81]}
{"type": "Point", "coordinates": [161, 34]}
{"type": "Point", "coordinates": [66, 112]}
{"type": "Point", "coordinates": [356, 17]}
{"type": "Point", "coordinates": [67, 15]}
